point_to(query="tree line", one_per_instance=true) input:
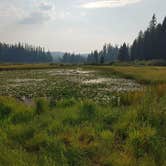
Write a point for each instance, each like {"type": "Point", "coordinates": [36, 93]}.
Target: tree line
{"type": "Point", "coordinates": [23, 53]}
{"type": "Point", "coordinates": [72, 58]}
{"type": "Point", "coordinates": [149, 45]}
{"type": "Point", "coordinates": [108, 54]}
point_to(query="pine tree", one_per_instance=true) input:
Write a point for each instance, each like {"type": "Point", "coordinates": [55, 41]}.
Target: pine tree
{"type": "Point", "coordinates": [153, 23]}
{"type": "Point", "coordinates": [102, 59]}
{"type": "Point", "coordinates": [152, 43]}
{"type": "Point", "coordinates": [96, 57]}
{"type": "Point", "coordinates": [123, 53]}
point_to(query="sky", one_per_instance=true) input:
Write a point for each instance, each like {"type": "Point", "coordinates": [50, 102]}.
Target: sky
{"type": "Point", "coordinates": [76, 25]}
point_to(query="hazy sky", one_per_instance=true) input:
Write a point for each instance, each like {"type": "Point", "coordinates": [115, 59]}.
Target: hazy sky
{"type": "Point", "coordinates": [76, 25]}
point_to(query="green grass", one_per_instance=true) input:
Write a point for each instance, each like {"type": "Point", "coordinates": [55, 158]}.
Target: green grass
{"type": "Point", "coordinates": [143, 74]}
{"type": "Point", "coordinates": [73, 133]}
{"type": "Point", "coordinates": [4, 67]}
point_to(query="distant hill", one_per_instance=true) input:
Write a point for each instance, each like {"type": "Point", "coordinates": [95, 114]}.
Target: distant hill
{"type": "Point", "coordinates": [57, 55]}
{"type": "Point", "coordinates": [84, 55]}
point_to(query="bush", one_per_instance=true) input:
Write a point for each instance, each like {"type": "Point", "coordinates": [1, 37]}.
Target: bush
{"type": "Point", "coordinates": [66, 103]}
{"type": "Point", "coordinates": [143, 141]}
{"type": "Point", "coordinates": [107, 138]}
{"type": "Point", "coordinates": [20, 133]}
{"type": "Point", "coordinates": [21, 116]}
{"type": "Point", "coordinates": [4, 111]}
{"type": "Point", "coordinates": [75, 156]}
{"type": "Point", "coordinates": [38, 141]}
{"type": "Point", "coordinates": [87, 111]}
{"type": "Point", "coordinates": [41, 106]}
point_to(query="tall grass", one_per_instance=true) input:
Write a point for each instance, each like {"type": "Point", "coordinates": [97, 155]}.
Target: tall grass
{"type": "Point", "coordinates": [73, 133]}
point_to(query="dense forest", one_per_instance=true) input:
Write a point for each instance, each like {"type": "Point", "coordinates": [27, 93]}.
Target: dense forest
{"type": "Point", "coordinates": [23, 53]}
{"type": "Point", "coordinates": [149, 45]}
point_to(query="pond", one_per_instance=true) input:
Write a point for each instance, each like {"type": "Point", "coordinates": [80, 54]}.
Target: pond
{"type": "Point", "coordinates": [63, 83]}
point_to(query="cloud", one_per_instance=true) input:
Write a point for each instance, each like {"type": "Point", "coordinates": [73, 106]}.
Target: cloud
{"type": "Point", "coordinates": [9, 11]}
{"type": "Point", "coordinates": [46, 6]}
{"type": "Point", "coordinates": [108, 3]}
{"type": "Point", "coordinates": [43, 12]}
{"type": "Point", "coordinates": [35, 18]}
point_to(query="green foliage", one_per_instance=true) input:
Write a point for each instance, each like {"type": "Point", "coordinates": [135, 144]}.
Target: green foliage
{"type": "Point", "coordinates": [143, 141]}
{"type": "Point", "coordinates": [87, 111]}
{"type": "Point", "coordinates": [41, 106]}
{"type": "Point", "coordinates": [4, 111]}
{"type": "Point", "coordinates": [66, 103]}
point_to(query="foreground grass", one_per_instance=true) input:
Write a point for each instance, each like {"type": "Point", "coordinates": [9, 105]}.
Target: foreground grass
{"type": "Point", "coordinates": [81, 133]}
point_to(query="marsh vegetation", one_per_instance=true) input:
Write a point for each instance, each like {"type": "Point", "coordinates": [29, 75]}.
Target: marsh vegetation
{"type": "Point", "coordinates": [83, 116]}
{"type": "Point", "coordinates": [60, 83]}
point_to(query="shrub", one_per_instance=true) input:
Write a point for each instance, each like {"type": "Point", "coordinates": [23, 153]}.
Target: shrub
{"type": "Point", "coordinates": [3, 136]}
{"type": "Point", "coordinates": [38, 141]}
{"type": "Point", "coordinates": [87, 111]}
{"type": "Point", "coordinates": [4, 111]}
{"type": "Point", "coordinates": [41, 106]}
{"type": "Point", "coordinates": [143, 141]}
{"type": "Point", "coordinates": [16, 157]}
{"type": "Point", "coordinates": [75, 156]}
{"type": "Point", "coordinates": [55, 150]}
{"type": "Point", "coordinates": [66, 103]}
{"type": "Point", "coordinates": [107, 139]}
{"type": "Point", "coordinates": [20, 133]}
{"type": "Point", "coordinates": [111, 118]}
{"type": "Point", "coordinates": [131, 98]}
{"type": "Point", "coordinates": [21, 116]}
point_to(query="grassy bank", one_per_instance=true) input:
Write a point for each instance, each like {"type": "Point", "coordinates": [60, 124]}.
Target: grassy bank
{"type": "Point", "coordinates": [4, 67]}
{"type": "Point", "coordinates": [142, 74]}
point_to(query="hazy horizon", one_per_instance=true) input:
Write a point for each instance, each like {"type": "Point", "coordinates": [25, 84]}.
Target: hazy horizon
{"type": "Point", "coordinates": [76, 25]}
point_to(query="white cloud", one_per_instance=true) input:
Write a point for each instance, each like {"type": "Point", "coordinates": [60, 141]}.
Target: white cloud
{"type": "Point", "coordinates": [35, 18]}
{"type": "Point", "coordinates": [10, 12]}
{"type": "Point", "coordinates": [43, 12]}
{"type": "Point", "coordinates": [46, 6]}
{"type": "Point", "coordinates": [108, 3]}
